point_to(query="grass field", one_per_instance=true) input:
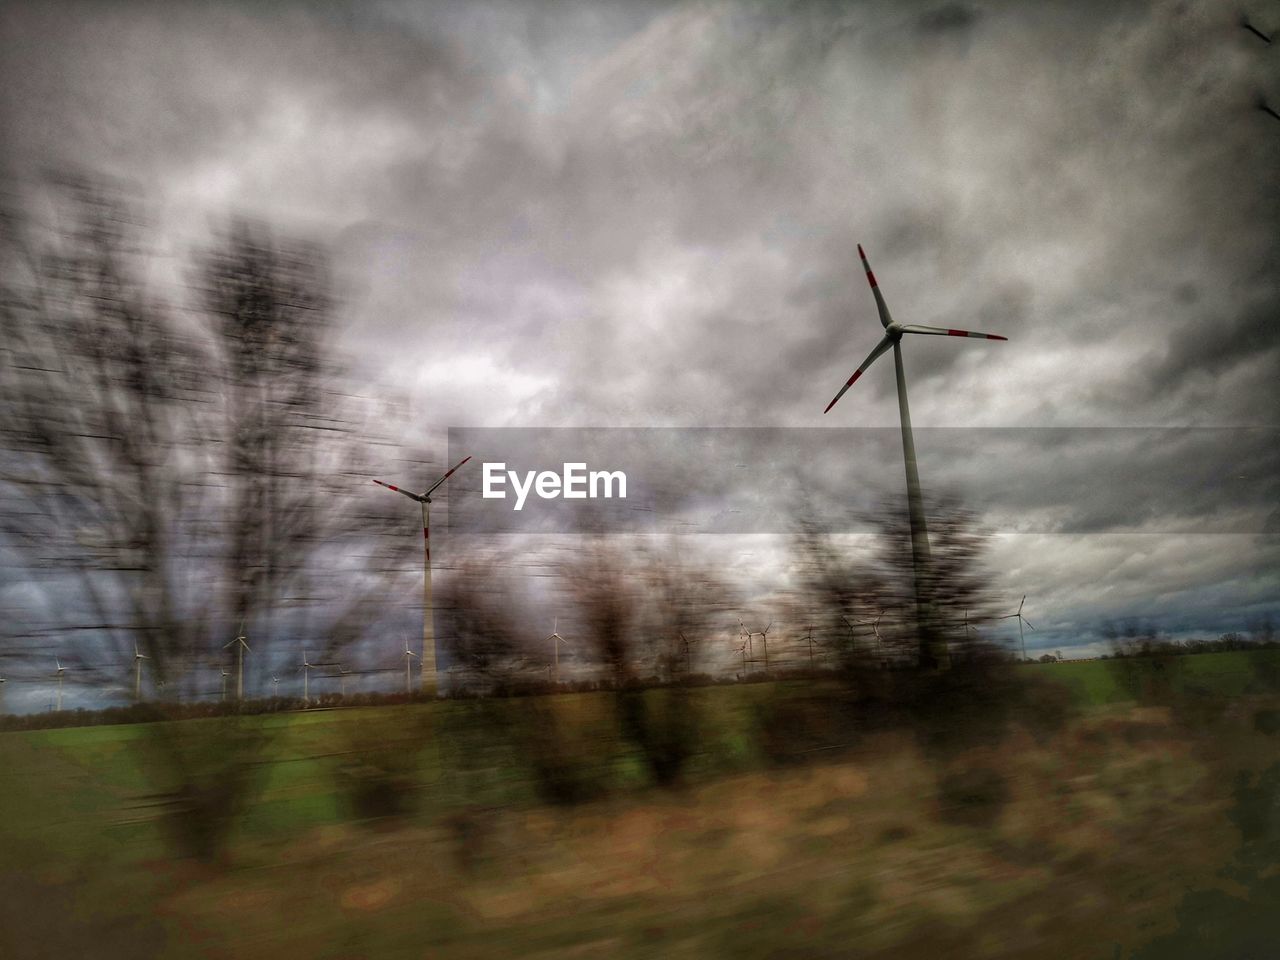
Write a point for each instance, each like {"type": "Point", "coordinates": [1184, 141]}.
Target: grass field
{"type": "Point", "coordinates": [1094, 835]}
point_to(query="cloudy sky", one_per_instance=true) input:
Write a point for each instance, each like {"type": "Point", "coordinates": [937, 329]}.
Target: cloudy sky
{"type": "Point", "coordinates": [645, 214]}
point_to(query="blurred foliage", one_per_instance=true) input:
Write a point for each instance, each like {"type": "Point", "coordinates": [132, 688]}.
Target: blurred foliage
{"type": "Point", "coordinates": [377, 774]}
{"type": "Point", "coordinates": [206, 774]}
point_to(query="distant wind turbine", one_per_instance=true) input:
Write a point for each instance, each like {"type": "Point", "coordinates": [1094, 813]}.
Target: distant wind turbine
{"type": "Point", "coordinates": [240, 639]}
{"type": "Point", "coordinates": [556, 640]}
{"type": "Point", "coordinates": [408, 662]}
{"type": "Point", "coordinates": [224, 683]}
{"type": "Point", "coordinates": [808, 638]}
{"type": "Point", "coordinates": [688, 654]}
{"type": "Point", "coordinates": [1021, 620]}
{"type": "Point", "coordinates": [137, 672]}
{"type": "Point", "coordinates": [893, 332]}
{"type": "Point", "coordinates": [60, 671]}
{"type": "Point", "coordinates": [429, 684]}
{"type": "Point", "coordinates": [343, 673]}
{"type": "Point", "coordinates": [307, 667]}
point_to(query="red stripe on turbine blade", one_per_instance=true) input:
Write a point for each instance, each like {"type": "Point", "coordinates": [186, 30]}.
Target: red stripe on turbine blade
{"type": "Point", "coordinates": [957, 333]}
{"type": "Point", "coordinates": [995, 336]}
{"type": "Point", "coordinates": [871, 278]}
{"type": "Point", "coordinates": [425, 535]}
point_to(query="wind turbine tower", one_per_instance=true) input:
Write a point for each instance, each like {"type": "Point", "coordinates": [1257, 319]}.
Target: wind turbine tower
{"type": "Point", "coordinates": [137, 672]}
{"type": "Point", "coordinates": [409, 657]}
{"type": "Point", "coordinates": [933, 649]}
{"type": "Point", "coordinates": [429, 682]}
{"type": "Point", "coordinates": [243, 646]}
{"type": "Point", "coordinates": [307, 667]}
{"type": "Point", "coordinates": [1022, 637]}
{"type": "Point", "coordinates": [556, 640]}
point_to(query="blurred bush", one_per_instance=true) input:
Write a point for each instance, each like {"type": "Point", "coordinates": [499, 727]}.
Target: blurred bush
{"type": "Point", "coordinates": [207, 773]}
{"type": "Point", "coordinates": [972, 796]}
{"type": "Point", "coordinates": [378, 775]}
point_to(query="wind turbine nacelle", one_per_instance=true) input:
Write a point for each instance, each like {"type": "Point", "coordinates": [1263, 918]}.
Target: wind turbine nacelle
{"type": "Point", "coordinates": [893, 330]}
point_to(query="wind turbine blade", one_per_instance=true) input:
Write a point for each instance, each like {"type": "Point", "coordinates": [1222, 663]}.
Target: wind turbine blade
{"type": "Point", "coordinates": [883, 310]}
{"type": "Point", "coordinates": [411, 496]}
{"type": "Point", "coordinates": [446, 476]}
{"type": "Point", "coordinates": [1027, 622]}
{"type": "Point", "coordinates": [948, 332]}
{"type": "Point", "coordinates": [881, 347]}
{"type": "Point", "coordinates": [1244, 22]}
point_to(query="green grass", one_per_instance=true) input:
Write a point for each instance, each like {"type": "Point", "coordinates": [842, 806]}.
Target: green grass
{"type": "Point", "coordinates": [73, 826]}
{"type": "Point", "coordinates": [1094, 682]}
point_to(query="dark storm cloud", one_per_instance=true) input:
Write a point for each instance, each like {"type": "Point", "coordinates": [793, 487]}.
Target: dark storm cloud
{"type": "Point", "coordinates": [647, 214]}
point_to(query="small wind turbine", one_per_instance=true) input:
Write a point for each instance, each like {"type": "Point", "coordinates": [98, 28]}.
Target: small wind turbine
{"type": "Point", "coordinates": [275, 687]}
{"type": "Point", "coordinates": [1244, 22]}
{"type": "Point", "coordinates": [893, 333]}
{"type": "Point", "coordinates": [808, 638]}
{"type": "Point", "coordinates": [224, 684]}
{"type": "Point", "coordinates": [307, 667]}
{"type": "Point", "coordinates": [556, 640]}
{"type": "Point", "coordinates": [746, 636]}
{"type": "Point", "coordinates": [137, 672]}
{"type": "Point", "coordinates": [408, 683]}
{"type": "Point", "coordinates": [688, 654]}
{"type": "Point", "coordinates": [343, 673]}
{"type": "Point", "coordinates": [874, 624]}
{"type": "Point", "coordinates": [240, 639]}
{"type": "Point", "coordinates": [1021, 620]}
{"type": "Point", "coordinates": [743, 650]}
{"type": "Point", "coordinates": [3, 681]}
{"type": "Point", "coordinates": [60, 671]}
{"type": "Point", "coordinates": [764, 639]}
{"type": "Point", "coordinates": [428, 627]}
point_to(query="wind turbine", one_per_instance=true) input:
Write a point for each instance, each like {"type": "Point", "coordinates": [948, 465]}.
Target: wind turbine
{"type": "Point", "coordinates": [240, 639]}
{"type": "Point", "coordinates": [275, 687]}
{"type": "Point", "coordinates": [3, 681]}
{"type": "Point", "coordinates": [1021, 621]}
{"type": "Point", "coordinates": [556, 640]}
{"type": "Point", "coordinates": [428, 627]}
{"type": "Point", "coordinates": [307, 667]}
{"type": "Point", "coordinates": [764, 639]}
{"type": "Point", "coordinates": [808, 638]}
{"type": "Point", "coordinates": [408, 683]}
{"type": "Point", "coordinates": [224, 684]}
{"type": "Point", "coordinates": [688, 654]}
{"type": "Point", "coordinates": [137, 672]}
{"type": "Point", "coordinates": [343, 673]}
{"type": "Point", "coordinates": [932, 652]}
{"type": "Point", "coordinates": [60, 671]}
